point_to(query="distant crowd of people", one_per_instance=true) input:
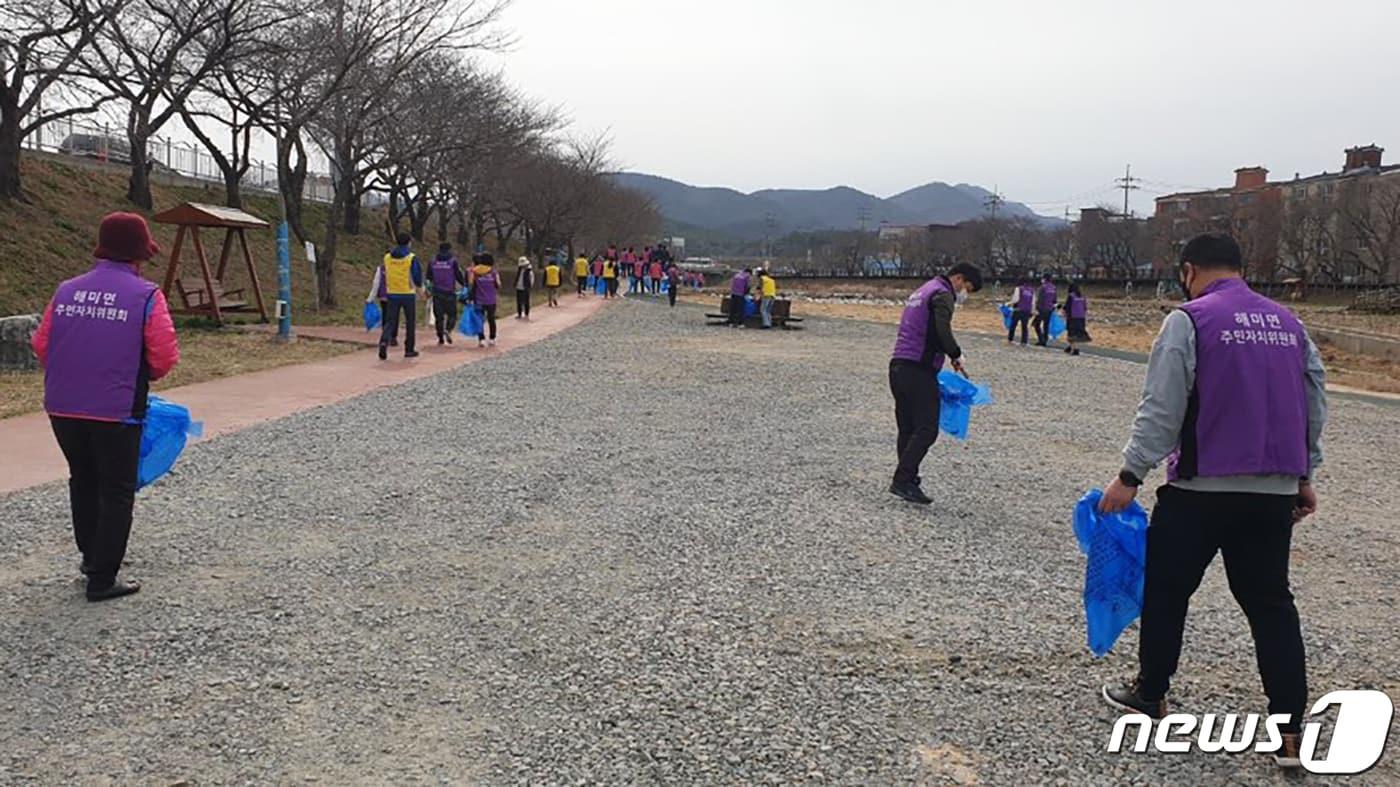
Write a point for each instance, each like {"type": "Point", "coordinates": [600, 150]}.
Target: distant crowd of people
{"type": "Point", "coordinates": [1035, 307]}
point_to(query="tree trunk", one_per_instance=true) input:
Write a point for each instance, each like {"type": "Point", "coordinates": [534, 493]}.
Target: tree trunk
{"type": "Point", "coordinates": [352, 211]}
{"type": "Point", "coordinates": [418, 218]}
{"type": "Point", "coordinates": [138, 189]}
{"type": "Point", "coordinates": [291, 182]}
{"type": "Point", "coordinates": [443, 220]}
{"type": "Point", "coordinates": [325, 255]}
{"type": "Point", "coordinates": [10, 183]}
{"type": "Point", "coordinates": [233, 188]}
{"type": "Point", "coordinates": [464, 237]}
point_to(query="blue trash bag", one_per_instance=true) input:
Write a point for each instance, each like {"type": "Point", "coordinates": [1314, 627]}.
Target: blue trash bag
{"type": "Point", "coordinates": [957, 396]}
{"type": "Point", "coordinates": [1116, 548]}
{"type": "Point", "coordinates": [464, 295]}
{"type": "Point", "coordinates": [665, 286]}
{"type": "Point", "coordinates": [1006, 317]}
{"type": "Point", "coordinates": [750, 307]}
{"type": "Point", "coordinates": [591, 282]}
{"type": "Point", "coordinates": [1057, 325]}
{"type": "Point", "coordinates": [471, 322]}
{"type": "Point", "coordinates": [601, 287]}
{"type": "Point", "coordinates": [163, 436]}
{"type": "Point", "coordinates": [372, 316]}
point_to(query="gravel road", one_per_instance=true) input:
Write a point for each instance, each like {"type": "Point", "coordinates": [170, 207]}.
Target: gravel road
{"type": "Point", "coordinates": [645, 550]}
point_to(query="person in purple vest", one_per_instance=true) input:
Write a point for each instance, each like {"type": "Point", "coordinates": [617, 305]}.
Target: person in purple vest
{"type": "Point", "coordinates": [1045, 298]}
{"type": "Point", "coordinates": [924, 340]}
{"type": "Point", "coordinates": [738, 292]}
{"type": "Point", "coordinates": [445, 276]}
{"type": "Point", "coordinates": [1021, 301]}
{"type": "Point", "coordinates": [1235, 401]}
{"type": "Point", "coordinates": [1076, 309]}
{"type": "Point", "coordinates": [104, 337]}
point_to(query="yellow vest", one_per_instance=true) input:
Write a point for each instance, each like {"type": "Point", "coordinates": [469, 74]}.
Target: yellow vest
{"type": "Point", "coordinates": [551, 275]}
{"type": "Point", "coordinates": [398, 275]}
{"type": "Point", "coordinates": [581, 267]}
{"type": "Point", "coordinates": [770, 287]}
{"type": "Point", "coordinates": [609, 270]}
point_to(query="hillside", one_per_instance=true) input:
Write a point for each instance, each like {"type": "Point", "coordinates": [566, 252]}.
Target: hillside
{"type": "Point", "coordinates": [731, 213]}
{"type": "Point", "coordinates": [51, 238]}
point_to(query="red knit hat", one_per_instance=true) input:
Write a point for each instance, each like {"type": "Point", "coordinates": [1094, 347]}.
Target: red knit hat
{"type": "Point", "coordinates": [125, 237]}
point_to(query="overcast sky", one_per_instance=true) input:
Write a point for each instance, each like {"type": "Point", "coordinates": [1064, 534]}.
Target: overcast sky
{"type": "Point", "coordinates": [1045, 99]}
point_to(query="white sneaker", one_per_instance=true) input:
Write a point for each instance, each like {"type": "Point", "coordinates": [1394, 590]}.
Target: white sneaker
{"type": "Point", "coordinates": [480, 342]}
{"type": "Point", "coordinates": [491, 342]}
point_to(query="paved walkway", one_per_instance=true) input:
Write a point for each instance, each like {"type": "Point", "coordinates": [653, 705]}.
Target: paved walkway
{"type": "Point", "coordinates": [233, 403]}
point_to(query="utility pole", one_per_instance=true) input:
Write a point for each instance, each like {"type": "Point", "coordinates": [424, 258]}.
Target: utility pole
{"type": "Point", "coordinates": [1128, 184]}
{"type": "Point", "coordinates": [862, 216]}
{"type": "Point", "coordinates": [993, 202]}
{"type": "Point", "coordinates": [770, 222]}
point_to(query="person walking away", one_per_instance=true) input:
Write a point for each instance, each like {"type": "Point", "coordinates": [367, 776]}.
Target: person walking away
{"type": "Point", "coordinates": [1235, 400]}
{"type": "Point", "coordinates": [654, 272]}
{"type": "Point", "coordinates": [580, 274]}
{"type": "Point", "coordinates": [552, 279]}
{"type": "Point", "coordinates": [925, 339]}
{"type": "Point", "coordinates": [486, 286]}
{"type": "Point", "coordinates": [675, 284]}
{"type": "Point", "coordinates": [1021, 300]}
{"type": "Point", "coordinates": [738, 294]}
{"type": "Point", "coordinates": [104, 336]}
{"type": "Point", "coordinates": [445, 275]}
{"type": "Point", "coordinates": [1076, 309]}
{"type": "Point", "coordinates": [403, 277]}
{"type": "Point", "coordinates": [524, 280]}
{"type": "Point", "coordinates": [639, 270]}
{"type": "Point", "coordinates": [1045, 299]}
{"type": "Point", "coordinates": [610, 277]}
{"type": "Point", "coordinates": [768, 291]}
{"type": "Point", "coordinates": [597, 268]}
{"type": "Point", "coordinates": [629, 258]}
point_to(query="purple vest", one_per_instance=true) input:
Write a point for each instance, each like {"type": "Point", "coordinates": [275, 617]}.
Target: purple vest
{"type": "Point", "coordinates": [912, 342]}
{"type": "Point", "coordinates": [1078, 307]}
{"type": "Point", "coordinates": [485, 294]}
{"type": "Point", "coordinates": [1047, 297]}
{"type": "Point", "coordinates": [96, 362]}
{"type": "Point", "coordinates": [740, 285]}
{"type": "Point", "coordinates": [444, 274]}
{"type": "Point", "coordinates": [1023, 305]}
{"type": "Point", "coordinates": [1248, 414]}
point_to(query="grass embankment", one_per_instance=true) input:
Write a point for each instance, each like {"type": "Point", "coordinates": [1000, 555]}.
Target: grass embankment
{"type": "Point", "coordinates": [1115, 321]}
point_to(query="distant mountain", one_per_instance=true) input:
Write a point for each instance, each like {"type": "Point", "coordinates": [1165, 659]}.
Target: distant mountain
{"type": "Point", "coordinates": [746, 216]}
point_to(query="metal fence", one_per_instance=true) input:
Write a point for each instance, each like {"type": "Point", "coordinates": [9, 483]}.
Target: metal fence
{"type": "Point", "coordinates": [171, 159]}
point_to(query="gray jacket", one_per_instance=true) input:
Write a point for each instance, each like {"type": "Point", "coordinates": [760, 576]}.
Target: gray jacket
{"type": "Point", "coordinates": [1171, 376]}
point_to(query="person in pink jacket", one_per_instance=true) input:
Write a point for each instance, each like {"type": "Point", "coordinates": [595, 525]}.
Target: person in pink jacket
{"type": "Point", "coordinates": [104, 337]}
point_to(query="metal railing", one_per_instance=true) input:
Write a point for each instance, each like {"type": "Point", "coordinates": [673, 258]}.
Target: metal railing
{"type": "Point", "coordinates": [105, 142]}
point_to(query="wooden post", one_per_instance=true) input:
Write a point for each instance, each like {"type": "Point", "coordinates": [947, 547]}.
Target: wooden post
{"type": "Point", "coordinates": [208, 276]}
{"type": "Point", "coordinates": [223, 255]}
{"type": "Point", "coordinates": [173, 272]}
{"type": "Point", "coordinates": [252, 273]}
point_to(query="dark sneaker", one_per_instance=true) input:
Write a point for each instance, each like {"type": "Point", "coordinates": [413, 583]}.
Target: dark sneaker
{"type": "Point", "coordinates": [910, 492]}
{"type": "Point", "coordinates": [411, 354]}
{"type": "Point", "coordinates": [383, 352]}
{"type": "Point", "coordinates": [1287, 754]}
{"type": "Point", "coordinates": [117, 589]}
{"type": "Point", "coordinates": [1129, 698]}
{"type": "Point", "coordinates": [448, 337]}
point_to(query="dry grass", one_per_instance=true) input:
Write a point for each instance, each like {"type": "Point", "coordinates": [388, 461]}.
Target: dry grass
{"type": "Point", "coordinates": [1115, 322]}
{"type": "Point", "coordinates": [204, 355]}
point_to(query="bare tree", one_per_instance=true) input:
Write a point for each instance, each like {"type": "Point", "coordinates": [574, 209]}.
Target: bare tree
{"type": "Point", "coordinates": [1308, 239]}
{"type": "Point", "coordinates": [153, 57]}
{"type": "Point", "coordinates": [1369, 214]}
{"type": "Point", "coordinates": [40, 44]}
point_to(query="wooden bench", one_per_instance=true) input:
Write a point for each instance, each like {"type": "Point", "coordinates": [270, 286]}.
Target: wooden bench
{"type": "Point", "coordinates": [782, 314]}
{"type": "Point", "coordinates": [195, 297]}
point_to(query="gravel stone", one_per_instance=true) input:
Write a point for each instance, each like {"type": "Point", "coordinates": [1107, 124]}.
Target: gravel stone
{"type": "Point", "coordinates": [647, 550]}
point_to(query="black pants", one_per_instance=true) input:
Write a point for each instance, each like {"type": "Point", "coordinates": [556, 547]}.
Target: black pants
{"type": "Point", "coordinates": [488, 314]}
{"type": "Point", "coordinates": [671, 293]}
{"type": "Point", "coordinates": [736, 309]}
{"type": "Point", "coordinates": [1019, 318]}
{"type": "Point", "coordinates": [582, 283]}
{"type": "Point", "coordinates": [408, 306]}
{"type": "Point", "coordinates": [1252, 533]}
{"type": "Point", "coordinates": [1042, 328]}
{"type": "Point", "coordinates": [444, 313]}
{"type": "Point", "coordinates": [916, 407]}
{"type": "Point", "coordinates": [522, 303]}
{"type": "Point", "coordinates": [102, 460]}
{"type": "Point", "coordinates": [612, 287]}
